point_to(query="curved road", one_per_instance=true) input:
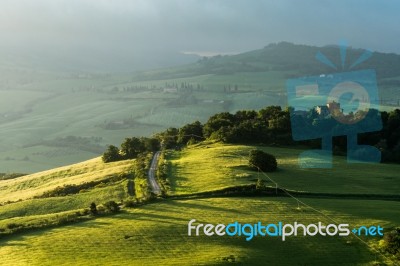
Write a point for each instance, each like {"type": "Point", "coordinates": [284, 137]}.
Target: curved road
{"type": "Point", "coordinates": [155, 188]}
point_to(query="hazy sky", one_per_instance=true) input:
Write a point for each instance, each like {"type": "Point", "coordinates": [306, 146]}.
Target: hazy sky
{"type": "Point", "coordinates": [149, 32]}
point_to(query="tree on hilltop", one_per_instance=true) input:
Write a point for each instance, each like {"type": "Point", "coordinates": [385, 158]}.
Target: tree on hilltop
{"type": "Point", "coordinates": [111, 154]}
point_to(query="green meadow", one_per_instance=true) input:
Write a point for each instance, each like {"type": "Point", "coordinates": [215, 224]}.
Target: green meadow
{"type": "Point", "coordinates": [27, 187]}
{"type": "Point", "coordinates": [211, 166]}
{"type": "Point", "coordinates": [54, 126]}
{"type": "Point", "coordinates": [37, 115]}
{"type": "Point", "coordinates": [39, 110]}
{"type": "Point", "coordinates": [156, 233]}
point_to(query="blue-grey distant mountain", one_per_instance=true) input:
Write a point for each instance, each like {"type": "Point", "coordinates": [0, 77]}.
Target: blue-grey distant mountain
{"type": "Point", "coordinates": [293, 59]}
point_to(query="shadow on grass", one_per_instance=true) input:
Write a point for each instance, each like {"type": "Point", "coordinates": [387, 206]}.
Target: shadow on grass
{"type": "Point", "coordinates": [297, 251]}
{"type": "Point", "coordinates": [151, 217]}
{"type": "Point", "coordinates": [185, 204]}
{"type": "Point", "coordinates": [242, 167]}
{"type": "Point", "coordinates": [176, 179]}
{"type": "Point", "coordinates": [206, 206]}
{"type": "Point", "coordinates": [172, 170]}
{"type": "Point", "coordinates": [21, 235]}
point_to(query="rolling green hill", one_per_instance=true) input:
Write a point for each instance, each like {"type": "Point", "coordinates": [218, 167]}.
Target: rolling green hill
{"type": "Point", "coordinates": [157, 233]}
{"type": "Point", "coordinates": [209, 166]}
{"type": "Point", "coordinates": [29, 186]}
{"type": "Point", "coordinates": [52, 119]}
{"type": "Point", "coordinates": [49, 119]}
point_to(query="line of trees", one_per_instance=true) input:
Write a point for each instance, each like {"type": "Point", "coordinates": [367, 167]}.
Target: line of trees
{"type": "Point", "coordinates": [268, 126]}
{"type": "Point", "coordinates": [130, 149]}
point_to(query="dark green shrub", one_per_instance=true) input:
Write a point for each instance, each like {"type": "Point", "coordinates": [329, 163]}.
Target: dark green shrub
{"type": "Point", "coordinates": [263, 161]}
{"type": "Point", "coordinates": [130, 203]}
{"type": "Point", "coordinates": [93, 208]}
{"type": "Point", "coordinates": [111, 154]}
{"type": "Point", "coordinates": [112, 206]}
{"type": "Point", "coordinates": [12, 226]}
{"type": "Point", "coordinates": [392, 242]}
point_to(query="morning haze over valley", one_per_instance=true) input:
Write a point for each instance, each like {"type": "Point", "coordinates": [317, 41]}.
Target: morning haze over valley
{"type": "Point", "coordinates": [199, 132]}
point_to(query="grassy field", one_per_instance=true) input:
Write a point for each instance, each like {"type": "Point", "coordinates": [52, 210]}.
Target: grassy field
{"type": "Point", "coordinates": [32, 207]}
{"type": "Point", "coordinates": [27, 187]}
{"type": "Point", "coordinates": [38, 107]}
{"type": "Point", "coordinates": [157, 234]}
{"type": "Point", "coordinates": [210, 166]}
{"type": "Point", "coordinates": [23, 204]}
{"type": "Point", "coordinates": [41, 112]}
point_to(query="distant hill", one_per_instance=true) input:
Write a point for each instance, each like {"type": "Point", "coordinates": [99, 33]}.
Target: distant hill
{"type": "Point", "coordinates": [287, 57]}
{"type": "Point", "coordinates": [88, 60]}
{"type": "Point", "coordinates": [57, 117]}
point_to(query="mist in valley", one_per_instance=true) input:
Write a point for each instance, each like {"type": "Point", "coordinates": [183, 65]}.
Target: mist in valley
{"type": "Point", "coordinates": [76, 76]}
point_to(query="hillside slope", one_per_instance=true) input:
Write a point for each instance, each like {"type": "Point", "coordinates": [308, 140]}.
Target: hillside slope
{"type": "Point", "coordinates": [29, 186]}
{"type": "Point", "coordinates": [50, 119]}
{"type": "Point", "coordinates": [207, 166]}
{"type": "Point", "coordinates": [291, 59]}
{"type": "Point", "coordinates": [157, 233]}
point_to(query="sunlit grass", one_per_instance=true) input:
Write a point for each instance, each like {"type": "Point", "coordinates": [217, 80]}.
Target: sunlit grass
{"type": "Point", "coordinates": [35, 184]}
{"type": "Point", "coordinates": [59, 204]}
{"type": "Point", "coordinates": [211, 166]}
{"type": "Point", "coordinates": [157, 234]}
